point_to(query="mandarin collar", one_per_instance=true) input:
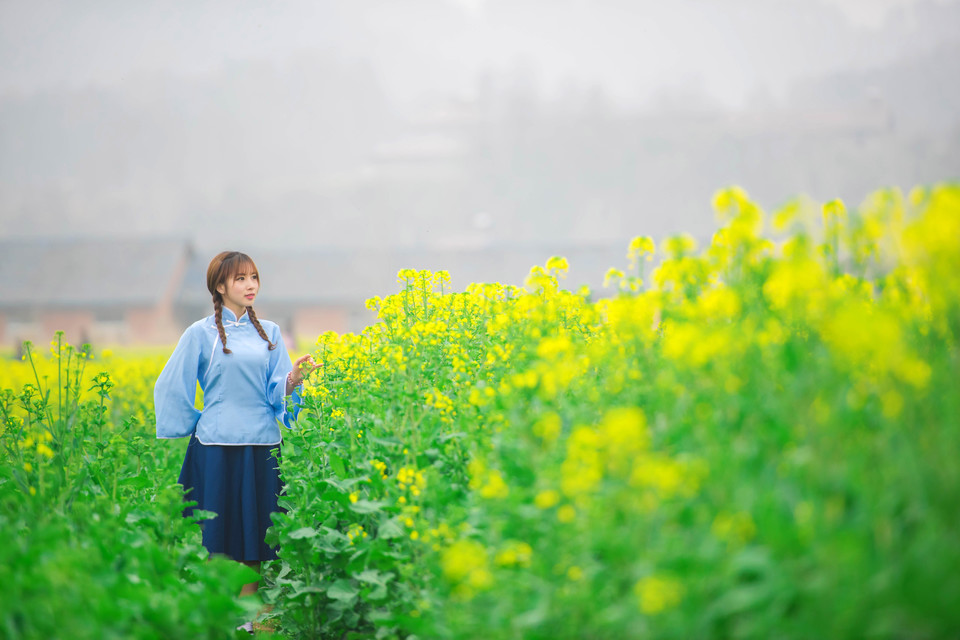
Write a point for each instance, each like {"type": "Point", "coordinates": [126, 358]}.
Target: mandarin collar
{"type": "Point", "coordinates": [227, 315]}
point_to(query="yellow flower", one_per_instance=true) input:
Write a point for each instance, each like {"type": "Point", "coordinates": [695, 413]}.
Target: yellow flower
{"type": "Point", "coordinates": [612, 276]}
{"type": "Point", "coordinates": [547, 499]}
{"type": "Point", "coordinates": [356, 531]}
{"type": "Point", "coordinates": [680, 245]}
{"type": "Point", "coordinates": [566, 514]}
{"type": "Point", "coordinates": [718, 303]}
{"type": "Point", "coordinates": [480, 579]}
{"type": "Point", "coordinates": [660, 473]}
{"type": "Point", "coordinates": [640, 246]}
{"type": "Point", "coordinates": [787, 214]}
{"type": "Point", "coordinates": [489, 482]}
{"type": "Point", "coordinates": [732, 197]}
{"type": "Point", "coordinates": [558, 264]}
{"type": "Point", "coordinates": [552, 348]}
{"type": "Point", "coordinates": [514, 553]}
{"type": "Point", "coordinates": [495, 486]}
{"type": "Point", "coordinates": [834, 212]}
{"type": "Point", "coordinates": [548, 427]}
{"type": "Point", "coordinates": [405, 275]}
{"type": "Point", "coordinates": [623, 431]}
{"type": "Point", "coordinates": [656, 594]}
{"type": "Point", "coordinates": [462, 558]}
{"type": "Point", "coordinates": [801, 280]}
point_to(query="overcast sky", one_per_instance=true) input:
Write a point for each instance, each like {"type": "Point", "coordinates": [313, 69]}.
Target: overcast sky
{"type": "Point", "coordinates": [418, 118]}
{"type": "Point", "coordinates": [51, 44]}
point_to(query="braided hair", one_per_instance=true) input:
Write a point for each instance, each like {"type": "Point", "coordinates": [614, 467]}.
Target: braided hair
{"type": "Point", "coordinates": [222, 268]}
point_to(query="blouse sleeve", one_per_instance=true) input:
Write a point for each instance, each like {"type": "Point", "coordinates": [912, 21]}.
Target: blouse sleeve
{"type": "Point", "coordinates": [279, 366]}
{"type": "Point", "coordinates": [176, 389]}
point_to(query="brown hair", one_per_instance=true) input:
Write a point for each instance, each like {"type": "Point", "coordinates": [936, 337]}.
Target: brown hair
{"type": "Point", "coordinates": [223, 267]}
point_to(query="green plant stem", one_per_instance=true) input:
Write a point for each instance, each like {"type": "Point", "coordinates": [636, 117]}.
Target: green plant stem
{"type": "Point", "coordinates": [59, 379]}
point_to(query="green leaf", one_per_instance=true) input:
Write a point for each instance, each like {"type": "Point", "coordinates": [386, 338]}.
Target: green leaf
{"type": "Point", "coordinates": [367, 506]}
{"type": "Point", "coordinates": [373, 576]}
{"type": "Point", "coordinates": [390, 528]}
{"type": "Point", "coordinates": [336, 463]}
{"type": "Point", "coordinates": [532, 618]}
{"type": "Point", "coordinates": [302, 588]}
{"type": "Point", "coordinates": [378, 593]}
{"type": "Point", "coordinates": [137, 482]}
{"type": "Point", "coordinates": [200, 514]}
{"type": "Point", "coordinates": [345, 484]}
{"type": "Point", "coordinates": [303, 532]}
{"type": "Point", "coordinates": [342, 590]}
{"type": "Point", "coordinates": [742, 599]}
{"type": "Point", "coordinates": [334, 496]}
{"type": "Point", "coordinates": [386, 442]}
{"type": "Point", "coordinates": [332, 536]}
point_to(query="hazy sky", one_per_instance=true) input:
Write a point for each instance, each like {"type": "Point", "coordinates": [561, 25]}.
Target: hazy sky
{"type": "Point", "coordinates": [870, 13]}
{"type": "Point", "coordinates": [867, 13]}
{"type": "Point", "coordinates": [49, 44]}
{"type": "Point", "coordinates": [195, 116]}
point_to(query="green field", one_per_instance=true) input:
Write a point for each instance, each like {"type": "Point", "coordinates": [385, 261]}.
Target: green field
{"type": "Point", "coordinates": [754, 439]}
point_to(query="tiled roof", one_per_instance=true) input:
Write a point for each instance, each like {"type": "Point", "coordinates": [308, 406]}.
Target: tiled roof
{"type": "Point", "coordinates": [73, 273]}
{"type": "Point", "coordinates": [350, 276]}
{"type": "Point", "coordinates": [101, 272]}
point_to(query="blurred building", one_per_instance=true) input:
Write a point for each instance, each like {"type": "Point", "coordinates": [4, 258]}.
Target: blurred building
{"type": "Point", "coordinates": [146, 292]}
{"type": "Point", "coordinates": [95, 290]}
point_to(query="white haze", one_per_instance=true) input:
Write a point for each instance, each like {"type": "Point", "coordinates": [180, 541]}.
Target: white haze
{"type": "Point", "coordinates": [434, 123]}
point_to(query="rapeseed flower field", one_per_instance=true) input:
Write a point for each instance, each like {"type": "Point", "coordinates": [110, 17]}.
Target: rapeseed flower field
{"type": "Point", "coordinates": [750, 439]}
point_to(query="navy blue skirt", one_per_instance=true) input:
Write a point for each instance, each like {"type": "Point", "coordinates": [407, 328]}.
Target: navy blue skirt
{"type": "Point", "coordinates": [241, 485]}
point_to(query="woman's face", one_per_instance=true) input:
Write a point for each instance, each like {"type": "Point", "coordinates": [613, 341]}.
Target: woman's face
{"type": "Point", "coordinates": [240, 291]}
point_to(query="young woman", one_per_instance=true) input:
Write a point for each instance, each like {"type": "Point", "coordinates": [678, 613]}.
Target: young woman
{"type": "Point", "coordinates": [246, 376]}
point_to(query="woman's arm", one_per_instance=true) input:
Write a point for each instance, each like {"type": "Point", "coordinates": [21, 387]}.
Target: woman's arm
{"type": "Point", "coordinates": [295, 377]}
{"type": "Point", "coordinates": [283, 379]}
{"type": "Point", "coordinates": [176, 388]}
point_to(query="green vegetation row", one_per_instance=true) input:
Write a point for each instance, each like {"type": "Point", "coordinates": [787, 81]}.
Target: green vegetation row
{"type": "Point", "coordinates": [95, 545]}
{"type": "Point", "coordinates": [758, 442]}
{"type": "Point", "coordinates": [755, 439]}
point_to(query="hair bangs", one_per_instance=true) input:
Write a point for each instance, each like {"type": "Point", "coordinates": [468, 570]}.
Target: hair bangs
{"type": "Point", "coordinates": [226, 265]}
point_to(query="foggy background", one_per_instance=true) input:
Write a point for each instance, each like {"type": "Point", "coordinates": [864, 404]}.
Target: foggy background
{"type": "Point", "coordinates": [443, 125]}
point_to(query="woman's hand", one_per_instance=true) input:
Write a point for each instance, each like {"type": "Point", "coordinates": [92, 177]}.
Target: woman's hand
{"type": "Point", "coordinates": [301, 367]}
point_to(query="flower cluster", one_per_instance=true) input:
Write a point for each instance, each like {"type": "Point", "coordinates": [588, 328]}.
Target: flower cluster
{"type": "Point", "coordinates": [655, 456]}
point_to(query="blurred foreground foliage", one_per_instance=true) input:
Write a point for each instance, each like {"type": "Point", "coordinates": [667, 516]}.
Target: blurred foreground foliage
{"type": "Point", "coordinates": [756, 439]}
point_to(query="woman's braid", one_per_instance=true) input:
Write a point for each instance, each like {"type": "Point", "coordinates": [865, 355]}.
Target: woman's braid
{"type": "Point", "coordinates": [256, 323]}
{"type": "Point", "coordinates": [218, 313]}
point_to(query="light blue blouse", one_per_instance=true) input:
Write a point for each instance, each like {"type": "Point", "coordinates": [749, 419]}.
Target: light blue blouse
{"type": "Point", "coordinates": [244, 398]}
